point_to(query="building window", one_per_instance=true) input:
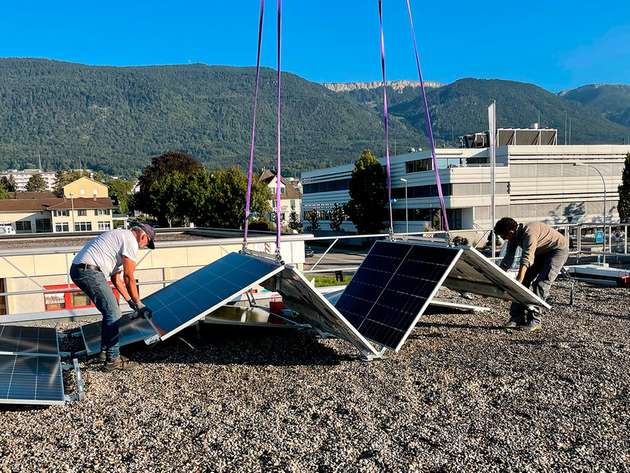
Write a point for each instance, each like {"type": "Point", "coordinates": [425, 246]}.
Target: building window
{"type": "Point", "coordinates": [82, 213]}
{"type": "Point", "coordinates": [104, 226]}
{"type": "Point", "coordinates": [43, 225]}
{"type": "Point", "coordinates": [55, 301]}
{"type": "Point", "coordinates": [62, 227]}
{"type": "Point", "coordinates": [419, 165]}
{"type": "Point", "coordinates": [102, 211]}
{"type": "Point", "coordinates": [67, 297]}
{"type": "Point", "coordinates": [61, 213]}
{"type": "Point", "coordinates": [83, 227]}
{"type": "Point", "coordinates": [327, 186]}
{"type": "Point", "coordinates": [23, 226]}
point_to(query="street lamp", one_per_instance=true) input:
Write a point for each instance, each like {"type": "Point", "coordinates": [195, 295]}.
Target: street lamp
{"type": "Point", "coordinates": [406, 206]}
{"type": "Point", "coordinates": [605, 214]}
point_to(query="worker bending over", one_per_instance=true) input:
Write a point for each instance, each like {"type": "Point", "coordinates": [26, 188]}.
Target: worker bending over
{"type": "Point", "coordinates": [112, 255]}
{"type": "Point", "coordinates": [544, 253]}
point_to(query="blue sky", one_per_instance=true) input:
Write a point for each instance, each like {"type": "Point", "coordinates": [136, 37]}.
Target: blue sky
{"type": "Point", "coordinates": [556, 44]}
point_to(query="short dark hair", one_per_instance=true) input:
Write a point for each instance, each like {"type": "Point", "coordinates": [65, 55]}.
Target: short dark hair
{"type": "Point", "coordinates": [505, 225]}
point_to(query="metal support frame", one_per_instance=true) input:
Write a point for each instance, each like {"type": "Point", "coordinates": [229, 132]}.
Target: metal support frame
{"type": "Point", "coordinates": [79, 383]}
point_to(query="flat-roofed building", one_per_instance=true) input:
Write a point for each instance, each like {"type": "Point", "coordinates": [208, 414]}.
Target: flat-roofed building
{"type": "Point", "coordinates": [84, 207]}
{"type": "Point", "coordinates": [533, 183]}
{"type": "Point", "coordinates": [22, 177]}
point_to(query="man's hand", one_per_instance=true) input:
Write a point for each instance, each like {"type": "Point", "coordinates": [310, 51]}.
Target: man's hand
{"type": "Point", "coordinates": [140, 309]}
{"type": "Point", "coordinates": [521, 274]}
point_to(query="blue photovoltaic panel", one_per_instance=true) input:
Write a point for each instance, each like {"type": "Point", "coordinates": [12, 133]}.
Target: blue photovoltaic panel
{"type": "Point", "coordinates": [392, 287]}
{"type": "Point", "coordinates": [190, 298]}
{"type": "Point", "coordinates": [28, 340]}
{"type": "Point", "coordinates": [26, 379]}
{"type": "Point", "coordinates": [130, 331]}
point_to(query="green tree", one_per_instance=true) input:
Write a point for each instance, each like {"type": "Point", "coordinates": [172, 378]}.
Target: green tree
{"type": "Point", "coordinates": [337, 217]}
{"type": "Point", "coordinates": [624, 192]}
{"type": "Point", "coordinates": [368, 195]}
{"type": "Point", "coordinates": [312, 217]}
{"type": "Point", "coordinates": [8, 183]}
{"type": "Point", "coordinates": [163, 185]}
{"type": "Point", "coordinates": [36, 183]}
{"type": "Point", "coordinates": [120, 190]}
{"type": "Point", "coordinates": [294, 221]}
{"type": "Point", "coordinates": [4, 194]}
{"type": "Point", "coordinates": [226, 200]}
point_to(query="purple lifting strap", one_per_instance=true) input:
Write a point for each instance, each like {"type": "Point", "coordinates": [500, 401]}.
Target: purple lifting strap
{"type": "Point", "coordinates": [386, 119]}
{"type": "Point", "coordinates": [278, 173]}
{"type": "Point", "coordinates": [248, 197]}
{"type": "Point", "coordinates": [427, 121]}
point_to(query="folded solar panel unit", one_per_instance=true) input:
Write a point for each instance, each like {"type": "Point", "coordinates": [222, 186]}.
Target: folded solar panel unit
{"type": "Point", "coordinates": [190, 299]}
{"type": "Point", "coordinates": [30, 366]}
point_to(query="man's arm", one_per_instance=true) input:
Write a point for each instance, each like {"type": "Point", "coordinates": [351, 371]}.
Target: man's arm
{"type": "Point", "coordinates": [129, 268]}
{"type": "Point", "coordinates": [119, 284]}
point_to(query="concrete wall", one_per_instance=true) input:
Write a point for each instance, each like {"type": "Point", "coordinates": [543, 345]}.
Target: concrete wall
{"type": "Point", "coordinates": [23, 272]}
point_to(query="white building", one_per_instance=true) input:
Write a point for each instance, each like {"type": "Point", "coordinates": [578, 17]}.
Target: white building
{"type": "Point", "coordinates": [533, 183]}
{"type": "Point", "coordinates": [21, 178]}
{"type": "Point", "coordinates": [290, 197]}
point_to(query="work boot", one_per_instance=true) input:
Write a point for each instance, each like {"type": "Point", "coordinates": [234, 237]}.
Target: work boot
{"type": "Point", "coordinates": [515, 322]}
{"type": "Point", "coordinates": [118, 363]}
{"type": "Point", "coordinates": [533, 325]}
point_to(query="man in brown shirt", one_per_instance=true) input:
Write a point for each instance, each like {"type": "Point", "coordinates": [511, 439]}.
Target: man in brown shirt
{"type": "Point", "coordinates": [544, 253]}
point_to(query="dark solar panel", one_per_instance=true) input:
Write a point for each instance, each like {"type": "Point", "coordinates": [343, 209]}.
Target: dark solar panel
{"type": "Point", "coordinates": [392, 287]}
{"type": "Point", "coordinates": [190, 298]}
{"type": "Point", "coordinates": [26, 379]}
{"type": "Point", "coordinates": [28, 340]}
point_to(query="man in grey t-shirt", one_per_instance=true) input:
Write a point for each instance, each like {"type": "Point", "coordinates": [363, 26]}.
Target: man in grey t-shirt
{"type": "Point", "coordinates": [112, 255]}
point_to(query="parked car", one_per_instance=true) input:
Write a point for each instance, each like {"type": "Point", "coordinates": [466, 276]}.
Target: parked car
{"type": "Point", "coordinates": [308, 251]}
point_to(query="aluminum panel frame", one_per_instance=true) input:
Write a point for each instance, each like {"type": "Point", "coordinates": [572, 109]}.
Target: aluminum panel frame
{"type": "Point", "coordinates": [476, 274]}
{"type": "Point", "coordinates": [301, 296]}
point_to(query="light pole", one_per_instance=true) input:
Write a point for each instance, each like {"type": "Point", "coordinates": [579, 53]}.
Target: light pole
{"type": "Point", "coordinates": [406, 207]}
{"type": "Point", "coordinates": [605, 214]}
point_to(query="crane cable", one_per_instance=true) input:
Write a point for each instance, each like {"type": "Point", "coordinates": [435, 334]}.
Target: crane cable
{"type": "Point", "coordinates": [429, 127]}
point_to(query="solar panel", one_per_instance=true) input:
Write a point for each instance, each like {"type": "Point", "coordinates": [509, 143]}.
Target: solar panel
{"type": "Point", "coordinates": [191, 298]}
{"type": "Point", "coordinates": [392, 288]}
{"type": "Point", "coordinates": [28, 340]}
{"type": "Point", "coordinates": [300, 296]}
{"type": "Point", "coordinates": [130, 331]}
{"type": "Point", "coordinates": [474, 273]}
{"type": "Point", "coordinates": [28, 379]}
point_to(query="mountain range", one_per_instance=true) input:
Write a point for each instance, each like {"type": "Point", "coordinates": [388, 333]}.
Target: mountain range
{"type": "Point", "coordinates": [114, 119]}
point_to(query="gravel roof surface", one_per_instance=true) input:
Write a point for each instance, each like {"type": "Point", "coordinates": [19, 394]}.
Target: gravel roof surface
{"type": "Point", "coordinates": [462, 394]}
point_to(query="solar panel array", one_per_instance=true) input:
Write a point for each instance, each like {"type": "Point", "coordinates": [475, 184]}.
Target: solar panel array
{"type": "Point", "coordinates": [34, 340]}
{"type": "Point", "coordinates": [30, 366]}
{"type": "Point", "coordinates": [33, 379]}
{"type": "Point", "coordinates": [392, 287]}
{"type": "Point", "coordinates": [189, 299]}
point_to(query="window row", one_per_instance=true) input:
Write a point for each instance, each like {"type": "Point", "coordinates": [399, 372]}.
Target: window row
{"type": "Point", "coordinates": [81, 212]}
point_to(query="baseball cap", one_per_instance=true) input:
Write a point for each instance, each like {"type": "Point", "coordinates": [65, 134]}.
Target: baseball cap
{"type": "Point", "coordinates": [150, 232]}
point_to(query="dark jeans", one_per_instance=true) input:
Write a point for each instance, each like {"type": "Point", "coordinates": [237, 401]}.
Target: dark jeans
{"type": "Point", "coordinates": [539, 277]}
{"type": "Point", "coordinates": [94, 284]}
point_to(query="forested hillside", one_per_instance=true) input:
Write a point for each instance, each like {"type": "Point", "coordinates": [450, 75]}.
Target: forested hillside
{"type": "Point", "coordinates": [612, 101]}
{"type": "Point", "coordinates": [460, 108]}
{"type": "Point", "coordinates": [114, 119]}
